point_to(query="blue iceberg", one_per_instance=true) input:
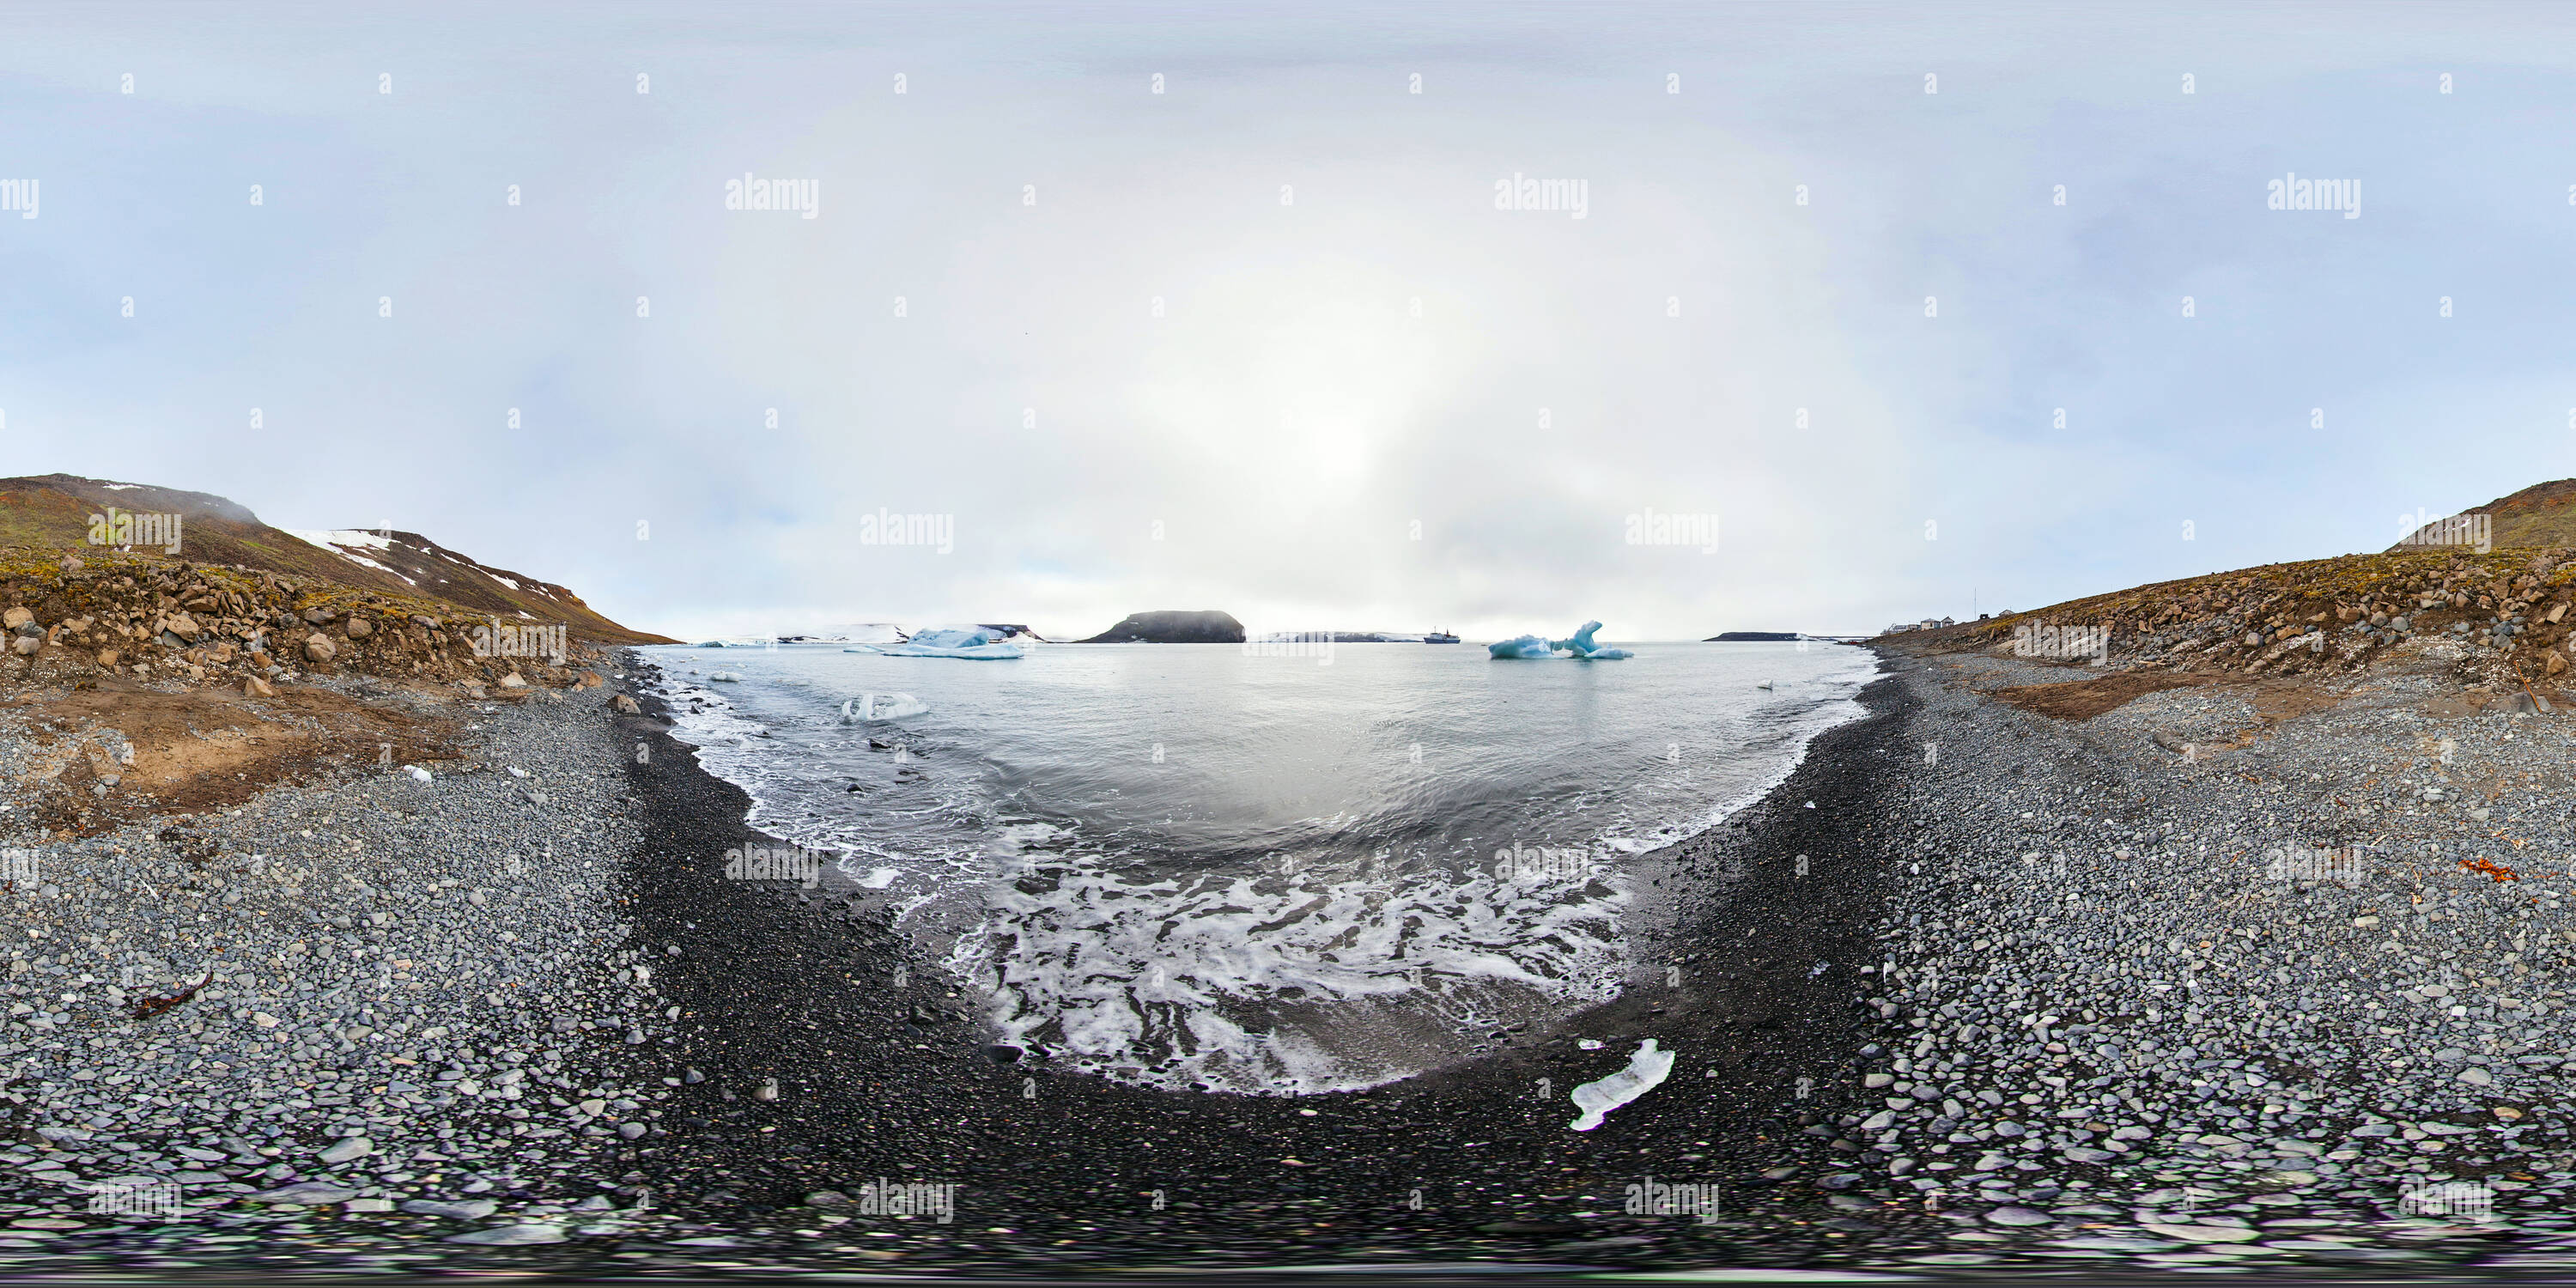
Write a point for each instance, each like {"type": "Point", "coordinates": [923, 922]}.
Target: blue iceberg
{"type": "Point", "coordinates": [972, 643]}
{"type": "Point", "coordinates": [1580, 645]}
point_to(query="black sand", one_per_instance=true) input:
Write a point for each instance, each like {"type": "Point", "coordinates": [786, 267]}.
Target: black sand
{"type": "Point", "coordinates": [1465, 1162]}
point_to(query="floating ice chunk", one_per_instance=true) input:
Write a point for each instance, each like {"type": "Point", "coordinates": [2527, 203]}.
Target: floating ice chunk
{"type": "Point", "coordinates": [1578, 645]}
{"type": "Point", "coordinates": [955, 636]}
{"type": "Point", "coordinates": [881, 706]}
{"type": "Point", "coordinates": [972, 643]}
{"type": "Point", "coordinates": [1646, 1071]}
{"type": "Point", "coordinates": [878, 879]}
{"type": "Point", "coordinates": [1582, 646]}
{"type": "Point", "coordinates": [724, 677]}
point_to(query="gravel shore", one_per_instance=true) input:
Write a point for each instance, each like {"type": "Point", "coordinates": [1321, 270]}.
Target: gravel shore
{"type": "Point", "coordinates": [2119, 1028]}
{"type": "Point", "coordinates": [402, 993]}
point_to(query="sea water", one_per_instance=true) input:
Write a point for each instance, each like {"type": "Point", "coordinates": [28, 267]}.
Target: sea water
{"type": "Point", "coordinates": [1202, 866]}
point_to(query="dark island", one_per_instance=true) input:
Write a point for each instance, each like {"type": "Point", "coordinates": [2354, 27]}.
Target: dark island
{"type": "Point", "coordinates": [1728, 637]}
{"type": "Point", "coordinates": [1173, 626]}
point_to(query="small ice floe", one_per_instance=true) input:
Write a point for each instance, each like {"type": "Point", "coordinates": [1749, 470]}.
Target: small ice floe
{"type": "Point", "coordinates": [1588, 1044]}
{"type": "Point", "coordinates": [878, 879]}
{"type": "Point", "coordinates": [1646, 1071]}
{"type": "Point", "coordinates": [723, 677]}
{"type": "Point", "coordinates": [1764, 685]}
{"type": "Point", "coordinates": [881, 706]}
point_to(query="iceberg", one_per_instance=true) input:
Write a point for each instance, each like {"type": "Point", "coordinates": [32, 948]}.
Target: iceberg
{"type": "Point", "coordinates": [1646, 1071]}
{"type": "Point", "coordinates": [1579, 645]}
{"type": "Point", "coordinates": [972, 643]}
{"type": "Point", "coordinates": [723, 677]}
{"type": "Point", "coordinates": [881, 706]}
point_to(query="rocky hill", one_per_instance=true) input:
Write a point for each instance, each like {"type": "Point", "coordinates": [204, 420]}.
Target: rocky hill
{"type": "Point", "coordinates": [2538, 516]}
{"type": "Point", "coordinates": [62, 512]}
{"type": "Point", "coordinates": [2502, 620]}
{"type": "Point", "coordinates": [72, 619]}
{"type": "Point", "coordinates": [1173, 626]}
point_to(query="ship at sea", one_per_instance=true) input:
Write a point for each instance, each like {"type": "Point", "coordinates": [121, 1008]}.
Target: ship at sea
{"type": "Point", "coordinates": [1439, 637]}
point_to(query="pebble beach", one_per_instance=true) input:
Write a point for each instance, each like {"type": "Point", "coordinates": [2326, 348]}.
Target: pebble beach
{"type": "Point", "coordinates": [2211, 979]}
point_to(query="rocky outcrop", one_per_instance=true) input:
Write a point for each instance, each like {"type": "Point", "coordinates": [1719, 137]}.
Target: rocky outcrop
{"type": "Point", "coordinates": [1173, 626]}
{"type": "Point", "coordinates": [148, 617]}
{"type": "Point", "coordinates": [2538, 516]}
{"type": "Point", "coordinates": [85, 518]}
{"type": "Point", "coordinates": [2506, 618]}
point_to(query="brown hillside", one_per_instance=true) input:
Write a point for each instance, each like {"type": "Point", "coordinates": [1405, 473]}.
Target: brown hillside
{"type": "Point", "coordinates": [2511, 617]}
{"type": "Point", "coordinates": [55, 512]}
{"type": "Point", "coordinates": [2543, 514]}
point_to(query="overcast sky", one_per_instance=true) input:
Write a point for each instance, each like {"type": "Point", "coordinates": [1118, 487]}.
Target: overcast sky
{"type": "Point", "coordinates": [1263, 341]}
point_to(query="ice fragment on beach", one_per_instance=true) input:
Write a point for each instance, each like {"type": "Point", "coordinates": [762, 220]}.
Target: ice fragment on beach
{"type": "Point", "coordinates": [881, 706]}
{"type": "Point", "coordinates": [1646, 1070]}
{"type": "Point", "coordinates": [417, 772]}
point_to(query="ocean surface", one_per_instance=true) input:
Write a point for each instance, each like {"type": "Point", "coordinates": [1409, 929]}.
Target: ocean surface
{"type": "Point", "coordinates": [1280, 871]}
